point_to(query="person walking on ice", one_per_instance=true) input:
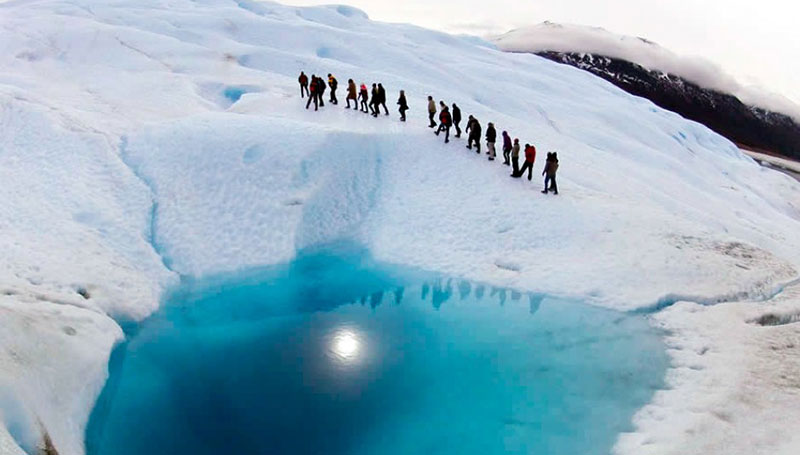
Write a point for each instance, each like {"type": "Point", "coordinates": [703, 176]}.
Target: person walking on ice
{"type": "Point", "coordinates": [506, 148]}
{"type": "Point", "coordinates": [550, 168]}
{"type": "Point", "coordinates": [351, 94]}
{"type": "Point", "coordinates": [445, 122]}
{"type": "Point", "coordinates": [320, 90]}
{"type": "Point", "coordinates": [403, 105]}
{"type": "Point", "coordinates": [382, 99]}
{"type": "Point", "coordinates": [491, 139]}
{"type": "Point", "coordinates": [515, 157]}
{"type": "Point", "coordinates": [333, 84]}
{"type": "Point", "coordinates": [364, 97]}
{"type": "Point", "coordinates": [303, 80]}
{"type": "Point", "coordinates": [373, 101]}
{"type": "Point", "coordinates": [530, 157]}
{"type": "Point", "coordinates": [457, 119]}
{"type": "Point", "coordinates": [312, 94]}
{"type": "Point", "coordinates": [474, 129]}
{"type": "Point", "coordinates": [431, 111]}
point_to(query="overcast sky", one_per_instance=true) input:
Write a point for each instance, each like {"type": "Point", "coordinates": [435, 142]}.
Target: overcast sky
{"type": "Point", "coordinates": [756, 41]}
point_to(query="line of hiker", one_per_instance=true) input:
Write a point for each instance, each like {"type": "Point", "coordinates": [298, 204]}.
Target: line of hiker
{"type": "Point", "coordinates": [315, 88]}
{"type": "Point", "coordinates": [371, 102]}
{"type": "Point", "coordinates": [511, 150]}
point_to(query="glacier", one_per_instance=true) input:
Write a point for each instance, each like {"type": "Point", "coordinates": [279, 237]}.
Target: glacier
{"type": "Point", "coordinates": [144, 141]}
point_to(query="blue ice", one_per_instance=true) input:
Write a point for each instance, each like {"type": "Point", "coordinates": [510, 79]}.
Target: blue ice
{"type": "Point", "coordinates": [336, 354]}
{"type": "Point", "coordinates": [233, 94]}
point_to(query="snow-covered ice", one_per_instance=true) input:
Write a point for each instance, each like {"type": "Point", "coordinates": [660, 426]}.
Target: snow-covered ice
{"type": "Point", "coordinates": [734, 387]}
{"type": "Point", "coordinates": [144, 140]}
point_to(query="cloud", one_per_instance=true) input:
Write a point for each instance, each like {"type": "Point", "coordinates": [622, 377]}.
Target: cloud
{"type": "Point", "coordinates": [594, 40]}
{"type": "Point", "coordinates": [477, 28]}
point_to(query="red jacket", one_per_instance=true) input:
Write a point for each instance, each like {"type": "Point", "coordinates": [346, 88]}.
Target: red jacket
{"type": "Point", "coordinates": [445, 118]}
{"type": "Point", "coordinates": [530, 154]}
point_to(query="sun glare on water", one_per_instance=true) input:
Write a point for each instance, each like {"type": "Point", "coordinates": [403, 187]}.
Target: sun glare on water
{"type": "Point", "coordinates": [346, 344]}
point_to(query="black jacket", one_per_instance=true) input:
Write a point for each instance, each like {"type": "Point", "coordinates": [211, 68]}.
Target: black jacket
{"type": "Point", "coordinates": [456, 114]}
{"type": "Point", "coordinates": [402, 102]}
{"type": "Point", "coordinates": [491, 134]}
{"type": "Point", "coordinates": [381, 95]}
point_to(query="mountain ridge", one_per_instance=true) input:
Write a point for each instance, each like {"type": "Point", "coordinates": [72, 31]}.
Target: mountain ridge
{"type": "Point", "coordinates": [694, 88]}
{"type": "Point", "coordinates": [748, 126]}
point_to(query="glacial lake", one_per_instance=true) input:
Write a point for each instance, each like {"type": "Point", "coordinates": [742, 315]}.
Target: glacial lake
{"type": "Point", "coordinates": [337, 354]}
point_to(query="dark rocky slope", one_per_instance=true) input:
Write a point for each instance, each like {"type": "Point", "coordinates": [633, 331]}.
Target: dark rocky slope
{"type": "Point", "coordinates": [748, 126]}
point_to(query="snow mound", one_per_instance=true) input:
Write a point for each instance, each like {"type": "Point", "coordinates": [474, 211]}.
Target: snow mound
{"type": "Point", "coordinates": [144, 140]}
{"type": "Point", "coordinates": [549, 36]}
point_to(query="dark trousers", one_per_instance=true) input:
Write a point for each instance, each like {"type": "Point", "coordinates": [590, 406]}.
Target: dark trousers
{"type": "Point", "coordinates": [551, 179]}
{"type": "Point", "coordinates": [506, 156]}
{"type": "Point", "coordinates": [313, 98]}
{"type": "Point", "coordinates": [373, 108]}
{"type": "Point", "coordinates": [385, 109]}
{"type": "Point", "coordinates": [355, 103]}
{"type": "Point", "coordinates": [304, 91]}
{"type": "Point", "coordinates": [333, 97]}
{"type": "Point", "coordinates": [514, 165]}
{"type": "Point", "coordinates": [476, 140]}
{"type": "Point", "coordinates": [430, 117]}
{"type": "Point", "coordinates": [458, 129]}
{"type": "Point", "coordinates": [319, 98]}
{"type": "Point", "coordinates": [446, 129]}
{"type": "Point", "coordinates": [526, 166]}
{"type": "Point", "coordinates": [403, 114]}
{"type": "Point", "coordinates": [364, 104]}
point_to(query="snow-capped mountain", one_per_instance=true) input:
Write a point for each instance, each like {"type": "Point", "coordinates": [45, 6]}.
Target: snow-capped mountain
{"type": "Point", "coordinates": [146, 141]}
{"type": "Point", "coordinates": [691, 87]}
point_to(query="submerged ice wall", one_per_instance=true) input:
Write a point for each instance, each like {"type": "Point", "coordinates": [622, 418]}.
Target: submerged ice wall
{"type": "Point", "coordinates": [143, 140]}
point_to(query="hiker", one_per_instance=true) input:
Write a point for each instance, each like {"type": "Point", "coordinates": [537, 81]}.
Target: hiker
{"type": "Point", "coordinates": [351, 94]}
{"type": "Point", "coordinates": [303, 80]}
{"type": "Point", "coordinates": [431, 111]}
{"type": "Point", "coordinates": [364, 97]}
{"type": "Point", "coordinates": [333, 84]}
{"type": "Point", "coordinates": [445, 122]}
{"type": "Point", "coordinates": [381, 99]}
{"type": "Point", "coordinates": [457, 119]}
{"type": "Point", "coordinates": [373, 102]}
{"type": "Point", "coordinates": [474, 130]}
{"type": "Point", "coordinates": [530, 157]}
{"type": "Point", "coordinates": [549, 172]}
{"type": "Point", "coordinates": [312, 94]}
{"type": "Point", "coordinates": [515, 157]}
{"type": "Point", "coordinates": [403, 105]}
{"type": "Point", "coordinates": [320, 90]}
{"type": "Point", "coordinates": [491, 138]}
{"type": "Point", "coordinates": [506, 148]}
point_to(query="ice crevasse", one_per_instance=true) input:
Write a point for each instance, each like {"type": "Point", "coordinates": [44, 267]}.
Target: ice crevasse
{"type": "Point", "coordinates": [146, 140]}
